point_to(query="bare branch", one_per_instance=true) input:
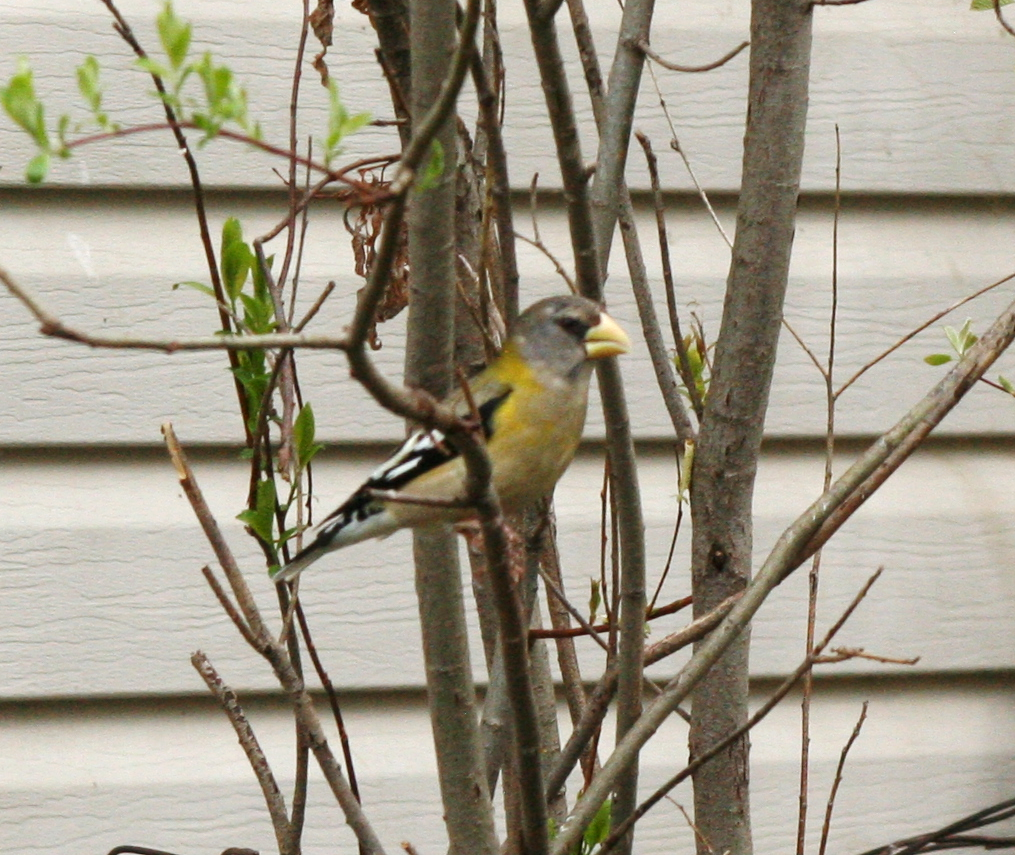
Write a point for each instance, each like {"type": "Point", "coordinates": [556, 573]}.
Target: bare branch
{"type": "Point", "coordinates": [273, 797]}
{"type": "Point", "coordinates": [275, 653]}
{"type": "Point", "coordinates": [228, 607]}
{"type": "Point", "coordinates": [930, 322]}
{"type": "Point", "coordinates": [807, 534]}
{"type": "Point", "coordinates": [838, 779]}
{"type": "Point", "coordinates": [843, 654]}
{"type": "Point", "coordinates": [599, 699]}
{"type": "Point", "coordinates": [783, 690]}
{"type": "Point", "coordinates": [955, 836]}
{"type": "Point", "coordinates": [586, 628]}
{"type": "Point", "coordinates": [543, 248]}
{"type": "Point", "coordinates": [329, 690]}
{"type": "Point", "coordinates": [1000, 18]}
{"type": "Point", "coordinates": [329, 175]}
{"type": "Point", "coordinates": [683, 360]}
{"type": "Point", "coordinates": [644, 46]}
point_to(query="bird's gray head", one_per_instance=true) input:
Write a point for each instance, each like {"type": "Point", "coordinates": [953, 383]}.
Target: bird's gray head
{"type": "Point", "coordinates": [565, 332]}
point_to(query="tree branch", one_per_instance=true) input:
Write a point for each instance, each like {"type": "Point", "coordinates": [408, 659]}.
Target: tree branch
{"type": "Point", "coordinates": [275, 653]}
{"type": "Point", "coordinates": [644, 46]}
{"type": "Point", "coordinates": [797, 543]}
{"type": "Point", "coordinates": [273, 797]}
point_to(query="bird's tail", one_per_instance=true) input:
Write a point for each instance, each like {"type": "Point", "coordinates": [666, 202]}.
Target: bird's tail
{"type": "Point", "coordinates": [353, 522]}
{"type": "Point", "coordinates": [300, 562]}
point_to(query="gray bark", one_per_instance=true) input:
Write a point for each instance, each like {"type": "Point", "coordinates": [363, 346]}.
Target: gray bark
{"type": "Point", "coordinates": [731, 431]}
{"type": "Point", "coordinates": [430, 336]}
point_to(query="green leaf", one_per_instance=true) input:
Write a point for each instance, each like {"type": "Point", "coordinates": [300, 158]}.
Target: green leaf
{"type": "Point", "coordinates": [260, 281]}
{"type": "Point", "coordinates": [174, 33]}
{"type": "Point", "coordinates": [552, 828]}
{"type": "Point", "coordinates": [61, 132]}
{"type": "Point", "coordinates": [259, 315]}
{"type": "Point", "coordinates": [197, 286]}
{"type": "Point", "coordinates": [38, 168]}
{"type": "Point", "coordinates": [236, 258]}
{"type": "Point", "coordinates": [434, 168]}
{"type": "Point", "coordinates": [288, 535]}
{"type": "Point", "coordinates": [304, 429]}
{"type": "Point", "coordinates": [963, 338]}
{"type": "Point", "coordinates": [340, 123]}
{"type": "Point", "coordinates": [253, 376]}
{"type": "Point", "coordinates": [986, 5]}
{"type": "Point", "coordinates": [21, 104]}
{"type": "Point", "coordinates": [226, 100]}
{"type": "Point", "coordinates": [599, 829]}
{"type": "Point", "coordinates": [595, 599]}
{"type": "Point", "coordinates": [88, 83]}
{"type": "Point", "coordinates": [261, 519]}
{"type": "Point", "coordinates": [937, 358]}
{"type": "Point", "coordinates": [236, 261]}
{"type": "Point", "coordinates": [1006, 384]}
{"type": "Point", "coordinates": [157, 69]}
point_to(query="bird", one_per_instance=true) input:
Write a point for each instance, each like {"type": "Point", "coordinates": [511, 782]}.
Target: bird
{"type": "Point", "coordinates": [531, 401]}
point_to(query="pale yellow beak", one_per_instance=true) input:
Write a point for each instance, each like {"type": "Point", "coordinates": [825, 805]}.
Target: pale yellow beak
{"type": "Point", "coordinates": [606, 339]}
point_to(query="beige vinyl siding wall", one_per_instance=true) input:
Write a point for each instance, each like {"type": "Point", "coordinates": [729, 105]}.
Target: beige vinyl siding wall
{"type": "Point", "coordinates": [106, 734]}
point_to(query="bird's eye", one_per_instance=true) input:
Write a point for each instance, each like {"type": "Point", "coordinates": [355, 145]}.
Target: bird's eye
{"type": "Point", "coordinates": [573, 326]}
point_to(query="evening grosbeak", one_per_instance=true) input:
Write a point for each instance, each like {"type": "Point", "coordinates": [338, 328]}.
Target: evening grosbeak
{"type": "Point", "coordinates": [531, 401]}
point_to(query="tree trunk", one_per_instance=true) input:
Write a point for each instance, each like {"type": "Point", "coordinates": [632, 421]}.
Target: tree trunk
{"type": "Point", "coordinates": [731, 431]}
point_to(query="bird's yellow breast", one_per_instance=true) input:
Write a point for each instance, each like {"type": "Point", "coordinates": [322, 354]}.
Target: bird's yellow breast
{"type": "Point", "coordinates": [536, 430]}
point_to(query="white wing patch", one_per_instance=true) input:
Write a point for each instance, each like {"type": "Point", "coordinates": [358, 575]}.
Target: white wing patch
{"type": "Point", "coordinates": [418, 454]}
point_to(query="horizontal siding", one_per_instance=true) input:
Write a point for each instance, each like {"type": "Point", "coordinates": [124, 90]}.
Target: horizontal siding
{"type": "Point", "coordinates": [104, 597]}
{"type": "Point", "coordinates": [171, 775]}
{"type": "Point", "coordinates": [899, 262]}
{"type": "Point", "coordinates": [106, 734]}
{"type": "Point", "coordinates": [919, 106]}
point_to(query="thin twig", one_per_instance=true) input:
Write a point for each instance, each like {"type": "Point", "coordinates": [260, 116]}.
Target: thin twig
{"type": "Point", "coordinates": [930, 322]}
{"type": "Point", "coordinates": [1000, 18]}
{"type": "Point", "coordinates": [600, 697]}
{"type": "Point", "coordinates": [273, 798]}
{"type": "Point", "coordinates": [50, 325]}
{"type": "Point", "coordinates": [803, 346]}
{"type": "Point", "coordinates": [586, 627]}
{"type": "Point", "coordinates": [228, 607]}
{"type": "Point", "coordinates": [827, 372]}
{"type": "Point", "coordinates": [689, 69]}
{"type": "Point", "coordinates": [315, 308]}
{"type": "Point", "coordinates": [826, 826]}
{"type": "Point", "coordinates": [329, 175]}
{"type": "Point", "coordinates": [683, 359]}
{"type": "Point", "coordinates": [575, 632]}
{"type": "Point", "coordinates": [784, 689]}
{"type": "Point", "coordinates": [329, 690]}
{"type": "Point", "coordinates": [843, 654]}
{"type": "Point", "coordinates": [543, 248]}
{"type": "Point", "coordinates": [678, 148]}
{"type": "Point", "coordinates": [276, 654]}
{"type": "Point", "coordinates": [954, 836]}
{"type": "Point", "coordinates": [294, 100]}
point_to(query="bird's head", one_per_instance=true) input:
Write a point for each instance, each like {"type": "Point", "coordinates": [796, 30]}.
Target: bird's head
{"type": "Point", "coordinates": [568, 331]}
